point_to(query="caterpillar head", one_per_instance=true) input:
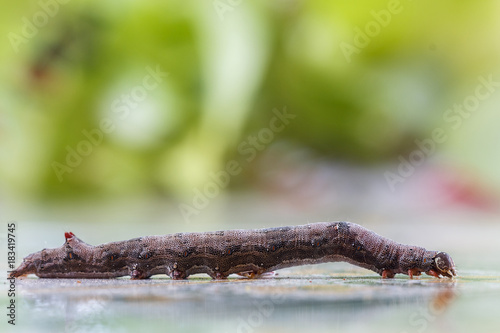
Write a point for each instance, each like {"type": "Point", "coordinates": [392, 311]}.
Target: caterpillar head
{"type": "Point", "coordinates": [444, 265]}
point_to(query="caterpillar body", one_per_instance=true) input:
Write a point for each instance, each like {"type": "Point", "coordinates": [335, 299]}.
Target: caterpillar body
{"type": "Point", "coordinates": [250, 253]}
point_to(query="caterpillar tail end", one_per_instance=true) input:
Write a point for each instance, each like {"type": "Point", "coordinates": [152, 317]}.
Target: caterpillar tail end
{"type": "Point", "coordinates": [24, 269]}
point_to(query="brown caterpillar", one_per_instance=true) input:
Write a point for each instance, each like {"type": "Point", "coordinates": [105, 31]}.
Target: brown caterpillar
{"type": "Point", "coordinates": [246, 252]}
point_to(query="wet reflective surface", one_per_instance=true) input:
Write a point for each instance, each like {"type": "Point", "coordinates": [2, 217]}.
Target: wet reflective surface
{"type": "Point", "coordinates": [333, 297]}
{"type": "Point", "coordinates": [296, 300]}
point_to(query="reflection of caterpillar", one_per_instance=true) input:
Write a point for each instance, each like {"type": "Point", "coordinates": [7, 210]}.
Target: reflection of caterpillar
{"type": "Point", "coordinates": [246, 252]}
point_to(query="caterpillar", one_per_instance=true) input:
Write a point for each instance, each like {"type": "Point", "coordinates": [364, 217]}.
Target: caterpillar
{"type": "Point", "coordinates": [249, 253]}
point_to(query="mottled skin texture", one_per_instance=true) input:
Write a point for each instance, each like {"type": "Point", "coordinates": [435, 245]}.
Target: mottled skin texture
{"type": "Point", "coordinates": [246, 252]}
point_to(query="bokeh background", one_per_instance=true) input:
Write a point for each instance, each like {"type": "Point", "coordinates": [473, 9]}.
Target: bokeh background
{"type": "Point", "coordinates": [229, 65]}
{"type": "Point", "coordinates": [127, 118]}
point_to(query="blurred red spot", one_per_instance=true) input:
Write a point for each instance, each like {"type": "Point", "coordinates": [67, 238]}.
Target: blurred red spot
{"type": "Point", "coordinates": [463, 189]}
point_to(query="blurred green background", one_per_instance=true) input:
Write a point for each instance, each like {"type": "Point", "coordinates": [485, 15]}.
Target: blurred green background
{"type": "Point", "coordinates": [361, 80]}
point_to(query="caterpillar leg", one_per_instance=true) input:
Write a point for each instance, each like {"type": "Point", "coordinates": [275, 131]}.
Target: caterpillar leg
{"type": "Point", "coordinates": [178, 275]}
{"type": "Point", "coordinates": [413, 272]}
{"type": "Point", "coordinates": [138, 275]}
{"type": "Point", "coordinates": [387, 273]}
{"type": "Point", "coordinates": [432, 273]}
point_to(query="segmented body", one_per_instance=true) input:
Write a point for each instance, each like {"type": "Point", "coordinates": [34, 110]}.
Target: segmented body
{"type": "Point", "coordinates": [221, 253]}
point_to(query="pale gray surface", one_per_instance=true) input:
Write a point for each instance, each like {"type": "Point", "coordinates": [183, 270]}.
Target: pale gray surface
{"type": "Point", "coordinates": [297, 300]}
{"type": "Point", "coordinates": [323, 298]}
